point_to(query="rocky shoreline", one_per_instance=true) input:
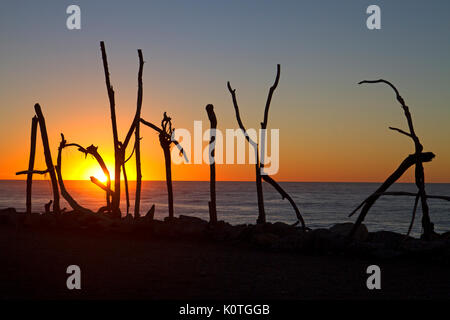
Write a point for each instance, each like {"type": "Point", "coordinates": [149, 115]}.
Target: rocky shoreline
{"type": "Point", "coordinates": [269, 236]}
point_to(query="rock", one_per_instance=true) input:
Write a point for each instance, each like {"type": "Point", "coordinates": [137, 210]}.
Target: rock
{"type": "Point", "coordinates": [279, 228]}
{"type": "Point", "coordinates": [47, 219]}
{"type": "Point", "coordinates": [343, 229]}
{"type": "Point", "coordinates": [446, 235]}
{"type": "Point", "coordinates": [189, 219]}
{"type": "Point", "coordinates": [128, 219]}
{"type": "Point", "coordinates": [235, 232]}
{"type": "Point", "coordinates": [298, 241]}
{"type": "Point", "coordinates": [266, 240]}
{"type": "Point", "coordinates": [8, 216]}
{"type": "Point", "coordinates": [325, 240]}
{"type": "Point", "coordinates": [386, 253]}
{"type": "Point", "coordinates": [8, 211]}
{"type": "Point", "coordinates": [389, 239]}
{"type": "Point", "coordinates": [31, 220]}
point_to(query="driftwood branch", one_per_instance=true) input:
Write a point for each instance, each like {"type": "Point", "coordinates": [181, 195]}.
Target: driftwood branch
{"type": "Point", "coordinates": [238, 116]}
{"type": "Point", "coordinates": [402, 193]}
{"type": "Point", "coordinates": [404, 166]}
{"type": "Point", "coordinates": [269, 98]}
{"type": "Point", "coordinates": [28, 172]}
{"type": "Point", "coordinates": [97, 182]}
{"type": "Point", "coordinates": [428, 227]}
{"type": "Point", "coordinates": [115, 205]}
{"type": "Point", "coordinates": [131, 154]}
{"type": "Point", "coordinates": [65, 194]}
{"type": "Point", "coordinates": [413, 217]}
{"type": "Point", "coordinates": [127, 194]}
{"type": "Point", "coordinates": [151, 125]}
{"type": "Point", "coordinates": [48, 157]}
{"type": "Point", "coordinates": [212, 165]}
{"type": "Point", "coordinates": [34, 123]}
{"type": "Point", "coordinates": [137, 138]}
{"type": "Point", "coordinates": [175, 142]}
{"type": "Point", "coordinates": [285, 195]}
{"type": "Point", "coordinates": [93, 151]}
{"type": "Point", "coordinates": [401, 131]}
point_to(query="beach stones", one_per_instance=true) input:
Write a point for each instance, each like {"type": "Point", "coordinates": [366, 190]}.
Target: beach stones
{"type": "Point", "coordinates": [343, 229]}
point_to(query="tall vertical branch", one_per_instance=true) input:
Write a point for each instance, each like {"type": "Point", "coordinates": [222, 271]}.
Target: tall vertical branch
{"type": "Point", "coordinates": [34, 123]}
{"type": "Point", "coordinates": [115, 205]}
{"type": "Point", "coordinates": [48, 157]}
{"type": "Point", "coordinates": [212, 164]}
{"type": "Point", "coordinates": [137, 138]}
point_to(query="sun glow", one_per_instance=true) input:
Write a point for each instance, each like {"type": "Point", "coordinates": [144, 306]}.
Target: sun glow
{"type": "Point", "coordinates": [98, 173]}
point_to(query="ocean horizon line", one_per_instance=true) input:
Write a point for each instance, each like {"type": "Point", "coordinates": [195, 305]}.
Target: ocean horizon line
{"type": "Point", "coordinates": [287, 181]}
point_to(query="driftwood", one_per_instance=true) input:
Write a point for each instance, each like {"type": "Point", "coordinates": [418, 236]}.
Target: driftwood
{"type": "Point", "coordinates": [120, 147]}
{"type": "Point", "coordinates": [417, 159]}
{"type": "Point", "coordinates": [165, 134]}
{"type": "Point", "coordinates": [127, 193]}
{"type": "Point", "coordinates": [137, 138]}
{"type": "Point", "coordinates": [212, 164]}
{"type": "Point", "coordinates": [48, 157]}
{"type": "Point", "coordinates": [259, 166]}
{"type": "Point", "coordinates": [34, 123]}
{"type": "Point", "coordinates": [65, 194]}
{"type": "Point", "coordinates": [92, 150]}
{"type": "Point", "coordinates": [47, 206]}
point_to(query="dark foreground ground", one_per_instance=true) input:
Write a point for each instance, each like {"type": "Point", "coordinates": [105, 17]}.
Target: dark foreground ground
{"type": "Point", "coordinates": [33, 266]}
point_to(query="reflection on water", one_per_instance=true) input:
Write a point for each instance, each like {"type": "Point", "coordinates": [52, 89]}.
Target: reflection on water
{"type": "Point", "coordinates": [322, 204]}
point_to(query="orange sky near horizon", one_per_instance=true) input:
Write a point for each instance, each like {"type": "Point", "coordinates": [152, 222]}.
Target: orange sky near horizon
{"type": "Point", "coordinates": [331, 129]}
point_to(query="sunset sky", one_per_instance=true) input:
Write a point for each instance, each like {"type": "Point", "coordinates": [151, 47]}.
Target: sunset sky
{"type": "Point", "coordinates": [331, 129]}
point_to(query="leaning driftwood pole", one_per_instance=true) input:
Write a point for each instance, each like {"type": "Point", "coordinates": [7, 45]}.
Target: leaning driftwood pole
{"type": "Point", "coordinates": [115, 203]}
{"type": "Point", "coordinates": [369, 202]}
{"type": "Point", "coordinates": [48, 157]}
{"type": "Point", "coordinates": [212, 164]}
{"type": "Point", "coordinates": [34, 123]}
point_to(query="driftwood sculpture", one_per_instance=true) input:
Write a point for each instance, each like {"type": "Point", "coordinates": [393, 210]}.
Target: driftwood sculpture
{"type": "Point", "coordinates": [165, 139]}
{"type": "Point", "coordinates": [259, 166]}
{"type": "Point", "coordinates": [39, 119]}
{"type": "Point", "coordinates": [91, 150]}
{"type": "Point", "coordinates": [120, 147]}
{"type": "Point", "coordinates": [212, 164]}
{"type": "Point", "coordinates": [417, 159]}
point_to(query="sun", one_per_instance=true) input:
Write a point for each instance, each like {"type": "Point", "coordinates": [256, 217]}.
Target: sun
{"type": "Point", "coordinates": [98, 173]}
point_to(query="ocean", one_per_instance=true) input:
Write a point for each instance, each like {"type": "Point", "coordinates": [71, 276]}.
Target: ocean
{"type": "Point", "coordinates": [321, 204]}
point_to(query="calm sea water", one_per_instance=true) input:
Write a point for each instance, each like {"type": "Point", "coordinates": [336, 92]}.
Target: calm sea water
{"type": "Point", "coordinates": [322, 204]}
